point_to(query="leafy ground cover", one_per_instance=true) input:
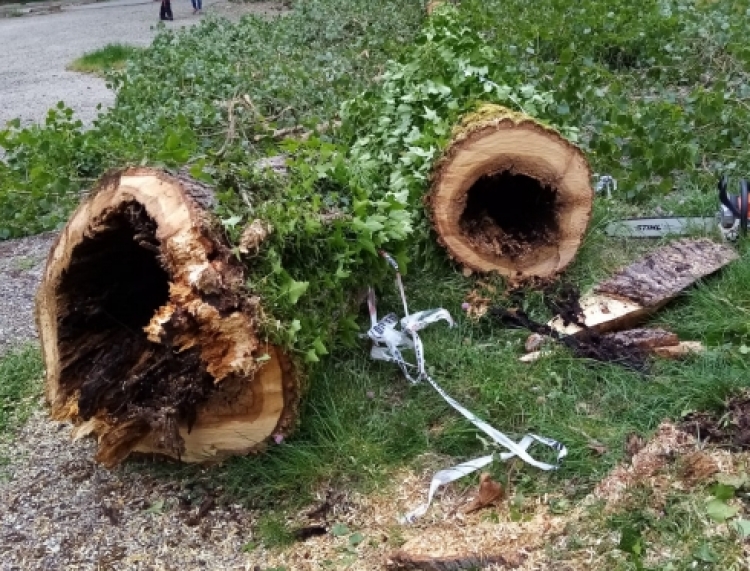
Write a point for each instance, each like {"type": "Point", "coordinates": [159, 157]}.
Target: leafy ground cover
{"type": "Point", "coordinates": [21, 373]}
{"type": "Point", "coordinates": [656, 92]}
{"type": "Point", "coordinates": [110, 57]}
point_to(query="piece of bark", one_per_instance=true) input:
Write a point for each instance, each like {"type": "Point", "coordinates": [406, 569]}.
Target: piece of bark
{"type": "Point", "coordinates": [643, 287]}
{"type": "Point", "coordinates": [403, 560]}
{"type": "Point", "coordinates": [534, 356]}
{"type": "Point", "coordinates": [658, 342]}
{"type": "Point", "coordinates": [682, 349]}
{"type": "Point", "coordinates": [510, 195]}
{"type": "Point", "coordinates": [645, 338]}
{"type": "Point", "coordinates": [149, 339]}
{"type": "Point", "coordinates": [534, 342]}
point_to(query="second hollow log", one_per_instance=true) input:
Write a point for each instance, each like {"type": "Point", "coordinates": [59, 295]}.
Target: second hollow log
{"type": "Point", "coordinates": [149, 340]}
{"type": "Point", "coordinates": [510, 195]}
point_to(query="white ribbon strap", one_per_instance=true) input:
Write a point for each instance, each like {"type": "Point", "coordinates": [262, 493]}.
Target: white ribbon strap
{"type": "Point", "coordinates": [387, 345]}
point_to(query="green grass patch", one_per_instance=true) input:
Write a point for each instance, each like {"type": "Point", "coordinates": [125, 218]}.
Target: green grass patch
{"type": "Point", "coordinates": [20, 384]}
{"type": "Point", "coordinates": [109, 58]}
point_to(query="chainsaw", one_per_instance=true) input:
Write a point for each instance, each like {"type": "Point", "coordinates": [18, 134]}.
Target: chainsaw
{"type": "Point", "coordinates": [731, 219]}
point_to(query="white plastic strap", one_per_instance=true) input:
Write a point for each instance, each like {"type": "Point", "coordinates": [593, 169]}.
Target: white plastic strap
{"type": "Point", "coordinates": [387, 345]}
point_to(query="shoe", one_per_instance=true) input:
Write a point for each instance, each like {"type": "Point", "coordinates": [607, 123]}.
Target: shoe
{"type": "Point", "coordinates": [195, 12]}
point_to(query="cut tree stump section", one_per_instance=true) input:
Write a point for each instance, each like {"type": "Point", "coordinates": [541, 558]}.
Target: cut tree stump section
{"type": "Point", "coordinates": [149, 340]}
{"type": "Point", "coordinates": [510, 195]}
{"type": "Point", "coordinates": [646, 285]}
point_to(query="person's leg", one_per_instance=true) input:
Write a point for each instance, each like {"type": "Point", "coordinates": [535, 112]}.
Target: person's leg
{"type": "Point", "coordinates": [195, 6]}
{"type": "Point", "coordinates": [169, 10]}
{"type": "Point", "coordinates": [163, 10]}
{"type": "Point", "coordinates": [200, 5]}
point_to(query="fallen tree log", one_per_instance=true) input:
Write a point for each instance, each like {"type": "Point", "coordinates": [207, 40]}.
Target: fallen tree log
{"type": "Point", "coordinates": [149, 339]}
{"type": "Point", "coordinates": [510, 195]}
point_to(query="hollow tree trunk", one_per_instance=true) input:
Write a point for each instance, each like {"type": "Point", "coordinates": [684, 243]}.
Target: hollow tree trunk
{"type": "Point", "coordinates": [149, 340]}
{"type": "Point", "coordinates": [510, 195]}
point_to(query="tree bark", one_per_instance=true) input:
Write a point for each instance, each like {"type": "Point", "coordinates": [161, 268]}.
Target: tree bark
{"type": "Point", "coordinates": [642, 288]}
{"type": "Point", "coordinates": [510, 195]}
{"type": "Point", "coordinates": [149, 338]}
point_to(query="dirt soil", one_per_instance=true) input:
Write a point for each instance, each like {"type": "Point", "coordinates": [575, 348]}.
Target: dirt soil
{"type": "Point", "coordinates": [728, 428]}
{"type": "Point", "coordinates": [61, 510]}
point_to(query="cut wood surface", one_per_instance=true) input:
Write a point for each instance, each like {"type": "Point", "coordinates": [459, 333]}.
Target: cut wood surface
{"type": "Point", "coordinates": [640, 289]}
{"type": "Point", "coordinates": [510, 195]}
{"type": "Point", "coordinates": [149, 340]}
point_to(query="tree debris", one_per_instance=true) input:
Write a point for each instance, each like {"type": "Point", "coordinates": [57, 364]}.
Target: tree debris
{"type": "Point", "coordinates": [646, 285]}
{"type": "Point", "coordinates": [488, 493]}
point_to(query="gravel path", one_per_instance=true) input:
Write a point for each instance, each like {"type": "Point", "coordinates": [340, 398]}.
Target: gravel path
{"type": "Point", "coordinates": [60, 510]}
{"type": "Point", "coordinates": [36, 50]}
{"type": "Point", "coordinates": [21, 266]}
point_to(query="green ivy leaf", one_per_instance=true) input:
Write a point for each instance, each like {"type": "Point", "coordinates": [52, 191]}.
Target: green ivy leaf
{"type": "Point", "coordinates": [705, 553]}
{"type": "Point", "coordinates": [722, 491]}
{"type": "Point", "coordinates": [720, 511]}
{"type": "Point", "coordinates": [742, 527]}
{"type": "Point", "coordinates": [320, 348]}
{"type": "Point", "coordinates": [295, 290]}
{"type": "Point", "coordinates": [156, 507]}
{"type": "Point", "coordinates": [339, 530]}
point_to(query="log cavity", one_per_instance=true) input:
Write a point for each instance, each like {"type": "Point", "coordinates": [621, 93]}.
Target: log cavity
{"type": "Point", "coordinates": [510, 215]}
{"type": "Point", "coordinates": [113, 285]}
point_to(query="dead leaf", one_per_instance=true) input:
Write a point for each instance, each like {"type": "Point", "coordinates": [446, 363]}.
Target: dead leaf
{"type": "Point", "coordinates": [206, 506]}
{"type": "Point", "coordinates": [476, 304]}
{"type": "Point", "coordinates": [489, 492]}
{"type": "Point", "coordinates": [697, 467]}
{"type": "Point", "coordinates": [633, 444]}
{"type": "Point", "coordinates": [597, 447]}
{"type": "Point", "coordinates": [253, 236]}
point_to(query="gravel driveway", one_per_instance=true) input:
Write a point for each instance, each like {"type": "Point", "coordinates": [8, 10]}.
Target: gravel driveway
{"type": "Point", "coordinates": [36, 50]}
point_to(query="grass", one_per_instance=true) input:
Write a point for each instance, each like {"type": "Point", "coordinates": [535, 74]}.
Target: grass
{"type": "Point", "coordinates": [110, 57]}
{"type": "Point", "coordinates": [20, 384]}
